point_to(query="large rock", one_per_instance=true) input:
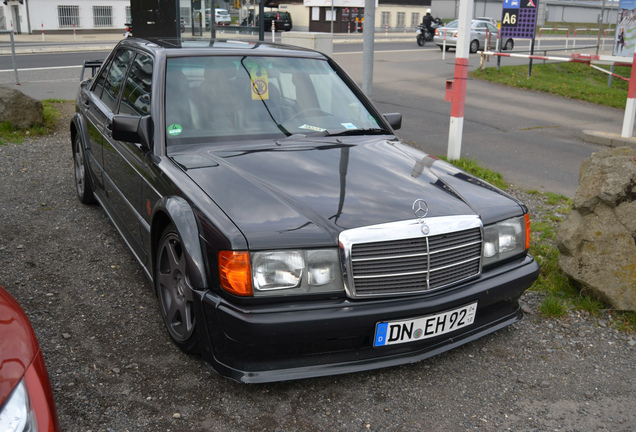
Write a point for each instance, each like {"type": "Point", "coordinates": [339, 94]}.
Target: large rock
{"type": "Point", "coordinates": [21, 110]}
{"type": "Point", "coordinates": [597, 240]}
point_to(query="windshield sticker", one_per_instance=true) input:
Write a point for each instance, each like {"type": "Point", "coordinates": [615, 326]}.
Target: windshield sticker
{"type": "Point", "coordinates": [313, 128]}
{"type": "Point", "coordinates": [175, 129]}
{"type": "Point", "coordinates": [348, 125]}
{"type": "Point", "coordinates": [260, 86]}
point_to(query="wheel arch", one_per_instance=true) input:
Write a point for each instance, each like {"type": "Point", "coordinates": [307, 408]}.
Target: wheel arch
{"type": "Point", "coordinates": [177, 211]}
{"type": "Point", "coordinates": [78, 126]}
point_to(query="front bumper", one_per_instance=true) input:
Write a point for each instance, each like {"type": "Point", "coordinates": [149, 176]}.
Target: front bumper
{"type": "Point", "coordinates": [286, 341]}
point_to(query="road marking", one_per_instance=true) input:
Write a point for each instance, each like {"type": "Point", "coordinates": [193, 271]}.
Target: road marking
{"type": "Point", "coordinates": [42, 68]}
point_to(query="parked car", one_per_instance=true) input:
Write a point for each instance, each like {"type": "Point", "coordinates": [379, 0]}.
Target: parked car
{"type": "Point", "coordinates": [285, 228]}
{"type": "Point", "coordinates": [26, 397]}
{"type": "Point", "coordinates": [478, 31]}
{"type": "Point", "coordinates": [221, 17]}
{"type": "Point", "coordinates": [490, 20]}
{"type": "Point", "coordinates": [282, 20]}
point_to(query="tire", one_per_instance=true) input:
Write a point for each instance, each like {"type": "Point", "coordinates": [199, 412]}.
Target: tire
{"type": "Point", "coordinates": [176, 299]}
{"type": "Point", "coordinates": [509, 45]}
{"type": "Point", "coordinates": [474, 46]}
{"type": "Point", "coordinates": [420, 40]}
{"type": "Point", "coordinates": [82, 181]}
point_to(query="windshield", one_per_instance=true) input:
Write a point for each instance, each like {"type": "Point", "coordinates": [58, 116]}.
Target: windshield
{"type": "Point", "coordinates": [452, 24]}
{"type": "Point", "coordinates": [233, 98]}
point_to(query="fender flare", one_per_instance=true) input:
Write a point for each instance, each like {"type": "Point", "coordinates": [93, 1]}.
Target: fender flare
{"type": "Point", "coordinates": [182, 217]}
{"type": "Point", "coordinates": [80, 125]}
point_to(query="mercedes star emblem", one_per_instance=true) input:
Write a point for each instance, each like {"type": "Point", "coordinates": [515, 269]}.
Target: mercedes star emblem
{"type": "Point", "coordinates": [420, 208]}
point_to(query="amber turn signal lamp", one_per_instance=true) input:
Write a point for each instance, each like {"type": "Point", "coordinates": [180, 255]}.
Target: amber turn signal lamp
{"type": "Point", "coordinates": [527, 219]}
{"type": "Point", "coordinates": [235, 272]}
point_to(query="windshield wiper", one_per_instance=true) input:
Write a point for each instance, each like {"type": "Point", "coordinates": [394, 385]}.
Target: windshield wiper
{"type": "Point", "coordinates": [352, 132]}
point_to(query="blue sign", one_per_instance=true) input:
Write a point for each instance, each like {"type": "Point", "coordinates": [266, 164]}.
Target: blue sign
{"type": "Point", "coordinates": [519, 18]}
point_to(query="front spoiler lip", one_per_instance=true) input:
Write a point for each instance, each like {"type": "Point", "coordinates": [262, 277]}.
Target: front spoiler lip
{"type": "Point", "coordinates": [517, 278]}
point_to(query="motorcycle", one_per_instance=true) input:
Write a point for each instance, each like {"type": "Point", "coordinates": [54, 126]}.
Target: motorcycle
{"type": "Point", "coordinates": [424, 35]}
{"type": "Point", "coordinates": [128, 32]}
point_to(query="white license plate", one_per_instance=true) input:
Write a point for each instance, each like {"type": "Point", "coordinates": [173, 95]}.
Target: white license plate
{"type": "Point", "coordinates": [397, 332]}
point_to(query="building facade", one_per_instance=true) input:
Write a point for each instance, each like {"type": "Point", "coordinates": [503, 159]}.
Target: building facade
{"type": "Point", "coordinates": [32, 16]}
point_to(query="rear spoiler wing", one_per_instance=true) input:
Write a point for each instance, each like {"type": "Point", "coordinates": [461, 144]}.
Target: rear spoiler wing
{"type": "Point", "coordinates": [93, 65]}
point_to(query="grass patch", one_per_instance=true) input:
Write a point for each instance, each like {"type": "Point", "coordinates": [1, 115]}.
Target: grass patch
{"type": "Point", "coordinates": [472, 166]}
{"type": "Point", "coordinates": [573, 80]}
{"type": "Point", "coordinates": [553, 307]}
{"type": "Point", "coordinates": [12, 134]}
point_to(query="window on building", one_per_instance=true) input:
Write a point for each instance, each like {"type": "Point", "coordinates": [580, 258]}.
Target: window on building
{"type": "Point", "coordinates": [68, 16]}
{"type": "Point", "coordinates": [400, 20]}
{"type": "Point", "coordinates": [415, 19]}
{"type": "Point", "coordinates": [102, 16]}
{"type": "Point", "coordinates": [386, 18]}
{"type": "Point", "coordinates": [186, 15]}
{"type": "Point", "coordinates": [128, 14]}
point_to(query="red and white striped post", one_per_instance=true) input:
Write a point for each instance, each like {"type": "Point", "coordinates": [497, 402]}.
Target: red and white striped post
{"type": "Point", "coordinates": [74, 38]}
{"type": "Point", "coordinates": [42, 30]}
{"type": "Point", "coordinates": [386, 29]}
{"type": "Point", "coordinates": [444, 46]}
{"type": "Point", "coordinates": [630, 106]}
{"type": "Point", "coordinates": [458, 86]}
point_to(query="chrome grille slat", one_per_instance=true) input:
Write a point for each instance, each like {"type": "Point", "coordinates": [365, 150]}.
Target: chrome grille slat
{"type": "Point", "coordinates": [402, 265]}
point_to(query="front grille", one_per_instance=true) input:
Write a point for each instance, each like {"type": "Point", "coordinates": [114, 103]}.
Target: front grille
{"type": "Point", "coordinates": [411, 265]}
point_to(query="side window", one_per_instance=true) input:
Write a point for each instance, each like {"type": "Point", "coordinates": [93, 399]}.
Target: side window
{"type": "Point", "coordinates": [114, 78]}
{"type": "Point", "coordinates": [98, 88]}
{"type": "Point", "coordinates": [136, 97]}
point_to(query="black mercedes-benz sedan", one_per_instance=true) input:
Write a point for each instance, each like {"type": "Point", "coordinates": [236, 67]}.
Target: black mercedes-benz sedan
{"type": "Point", "coordinates": [287, 231]}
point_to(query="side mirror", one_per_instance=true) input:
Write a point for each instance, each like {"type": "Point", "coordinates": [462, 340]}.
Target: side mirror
{"type": "Point", "coordinates": [394, 119]}
{"type": "Point", "coordinates": [133, 129]}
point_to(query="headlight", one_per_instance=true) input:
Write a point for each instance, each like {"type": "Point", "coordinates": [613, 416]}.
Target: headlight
{"type": "Point", "coordinates": [17, 414]}
{"type": "Point", "coordinates": [506, 239]}
{"type": "Point", "coordinates": [296, 272]}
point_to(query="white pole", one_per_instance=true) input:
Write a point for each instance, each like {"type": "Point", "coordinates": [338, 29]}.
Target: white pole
{"type": "Point", "coordinates": [630, 106]}
{"type": "Point", "coordinates": [458, 97]}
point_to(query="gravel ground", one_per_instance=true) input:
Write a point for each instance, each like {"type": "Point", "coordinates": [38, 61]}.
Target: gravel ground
{"type": "Point", "coordinates": [113, 367]}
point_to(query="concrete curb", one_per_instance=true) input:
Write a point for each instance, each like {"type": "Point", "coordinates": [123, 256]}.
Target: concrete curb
{"type": "Point", "coordinates": [607, 139]}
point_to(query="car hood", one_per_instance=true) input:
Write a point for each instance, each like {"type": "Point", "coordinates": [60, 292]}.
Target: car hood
{"type": "Point", "coordinates": [299, 192]}
{"type": "Point", "coordinates": [18, 345]}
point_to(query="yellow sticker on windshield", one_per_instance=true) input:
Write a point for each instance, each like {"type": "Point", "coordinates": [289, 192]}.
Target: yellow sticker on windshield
{"type": "Point", "coordinates": [260, 86]}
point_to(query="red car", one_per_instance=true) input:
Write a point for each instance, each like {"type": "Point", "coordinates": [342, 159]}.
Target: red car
{"type": "Point", "coordinates": [26, 397]}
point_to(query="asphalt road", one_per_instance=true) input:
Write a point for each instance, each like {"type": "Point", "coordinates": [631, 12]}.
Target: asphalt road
{"type": "Point", "coordinates": [531, 138]}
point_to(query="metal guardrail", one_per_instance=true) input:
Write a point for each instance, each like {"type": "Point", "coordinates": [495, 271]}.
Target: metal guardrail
{"type": "Point", "coordinates": [15, 67]}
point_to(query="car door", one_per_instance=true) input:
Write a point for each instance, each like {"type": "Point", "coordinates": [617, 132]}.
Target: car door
{"type": "Point", "coordinates": [129, 88]}
{"type": "Point", "coordinates": [480, 30]}
{"type": "Point", "coordinates": [96, 113]}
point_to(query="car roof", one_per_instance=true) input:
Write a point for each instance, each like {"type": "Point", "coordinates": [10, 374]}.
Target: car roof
{"type": "Point", "coordinates": [179, 47]}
